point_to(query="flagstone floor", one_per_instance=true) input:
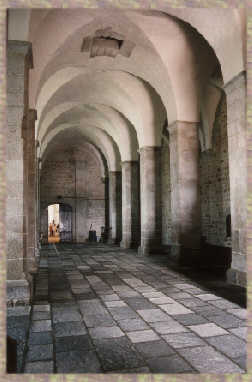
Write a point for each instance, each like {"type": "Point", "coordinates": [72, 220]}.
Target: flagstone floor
{"type": "Point", "coordinates": [101, 309]}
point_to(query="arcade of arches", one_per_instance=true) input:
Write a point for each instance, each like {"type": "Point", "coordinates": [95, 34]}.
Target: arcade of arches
{"type": "Point", "coordinates": [135, 119]}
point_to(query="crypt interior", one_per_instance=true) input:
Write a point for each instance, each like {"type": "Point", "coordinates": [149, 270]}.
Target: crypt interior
{"type": "Point", "coordinates": [126, 178]}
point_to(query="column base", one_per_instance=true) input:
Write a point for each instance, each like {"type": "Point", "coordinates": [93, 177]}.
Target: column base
{"type": "Point", "coordinates": [18, 292]}
{"type": "Point", "coordinates": [147, 251]}
{"type": "Point", "coordinates": [236, 277]}
{"type": "Point", "coordinates": [184, 256]}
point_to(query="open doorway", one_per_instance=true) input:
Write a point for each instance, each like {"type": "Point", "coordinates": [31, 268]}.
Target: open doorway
{"type": "Point", "coordinates": [53, 223]}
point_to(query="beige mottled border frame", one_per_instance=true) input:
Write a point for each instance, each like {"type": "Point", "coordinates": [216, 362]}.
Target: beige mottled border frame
{"type": "Point", "coordinates": [4, 4]}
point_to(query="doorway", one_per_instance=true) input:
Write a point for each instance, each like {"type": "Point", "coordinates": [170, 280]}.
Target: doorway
{"type": "Point", "coordinates": [59, 223]}
{"type": "Point", "coordinates": [53, 223]}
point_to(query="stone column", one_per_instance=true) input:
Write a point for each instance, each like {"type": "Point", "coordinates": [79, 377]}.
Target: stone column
{"type": "Point", "coordinates": [185, 196]}
{"type": "Point", "coordinates": [19, 62]}
{"type": "Point", "coordinates": [115, 205]}
{"type": "Point", "coordinates": [150, 200]}
{"type": "Point", "coordinates": [130, 204]}
{"type": "Point", "coordinates": [30, 191]}
{"type": "Point", "coordinates": [237, 154]}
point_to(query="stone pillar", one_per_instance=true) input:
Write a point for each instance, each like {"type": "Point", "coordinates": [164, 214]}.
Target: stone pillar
{"type": "Point", "coordinates": [237, 154]}
{"type": "Point", "coordinates": [30, 192]}
{"type": "Point", "coordinates": [19, 62]}
{"type": "Point", "coordinates": [130, 204]}
{"type": "Point", "coordinates": [115, 206]}
{"type": "Point", "coordinates": [150, 200]}
{"type": "Point", "coordinates": [185, 196]}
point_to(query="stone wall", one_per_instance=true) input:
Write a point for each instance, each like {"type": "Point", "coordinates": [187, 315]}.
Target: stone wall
{"type": "Point", "coordinates": [75, 175]}
{"type": "Point", "coordinates": [214, 181]}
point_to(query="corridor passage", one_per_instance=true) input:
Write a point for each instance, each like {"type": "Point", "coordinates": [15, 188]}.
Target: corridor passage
{"type": "Point", "coordinates": [101, 309]}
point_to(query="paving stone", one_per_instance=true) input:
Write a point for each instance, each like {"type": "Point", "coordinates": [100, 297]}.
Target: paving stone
{"type": "Point", "coordinates": [190, 319]}
{"type": "Point", "coordinates": [152, 315]}
{"type": "Point", "coordinates": [241, 313]}
{"type": "Point", "coordinates": [169, 326]}
{"type": "Point", "coordinates": [184, 286]}
{"type": "Point", "coordinates": [191, 302]}
{"type": "Point", "coordinates": [207, 330]}
{"type": "Point", "coordinates": [179, 295]}
{"type": "Point", "coordinates": [195, 291]}
{"type": "Point", "coordinates": [175, 308]}
{"type": "Point", "coordinates": [64, 329]}
{"type": "Point", "coordinates": [41, 316]}
{"type": "Point", "coordinates": [81, 343]}
{"type": "Point", "coordinates": [118, 354]}
{"type": "Point", "coordinates": [43, 367]}
{"type": "Point", "coordinates": [173, 364]}
{"type": "Point", "coordinates": [207, 360]}
{"type": "Point", "coordinates": [154, 349]}
{"type": "Point", "coordinates": [226, 321]}
{"type": "Point", "coordinates": [94, 320]}
{"type": "Point", "coordinates": [242, 362]}
{"type": "Point", "coordinates": [110, 297]}
{"type": "Point", "coordinates": [224, 304]}
{"type": "Point", "coordinates": [143, 336]}
{"type": "Point", "coordinates": [18, 311]}
{"type": "Point", "coordinates": [207, 297]}
{"type": "Point", "coordinates": [122, 313]}
{"type": "Point", "coordinates": [154, 294]}
{"type": "Point", "coordinates": [94, 307]}
{"type": "Point", "coordinates": [40, 338]}
{"type": "Point", "coordinates": [66, 315]}
{"type": "Point", "coordinates": [207, 310]}
{"type": "Point", "coordinates": [41, 326]}
{"type": "Point", "coordinates": [183, 340]}
{"type": "Point", "coordinates": [240, 332]}
{"type": "Point", "coordinates": [77, 362]}
{"type": "Point", "coordinates": [132, 324]}
{"type": "Point", "coordinates": [139, 303]}
{"type": "Point", "coordinates": [106, 332]}
{"type": "Point", "coordinates": [162, 300]}
{"type": "Point", "coordinates": [112, 304]}
{"type": "Point", "coordinates": [230, 345]}
{"type": "Point", "coordinates": [130, 293]}
{"type": "Point", "coordinates": [40, 352]}
{"type": "Point", "coordinates": [18, 322]}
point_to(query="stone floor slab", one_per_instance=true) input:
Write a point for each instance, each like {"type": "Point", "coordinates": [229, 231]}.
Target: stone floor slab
{"type": "Point", "coordinates": [175, 309]}
{"type": "Point", "coordinates": [132, 324]}
{"type": "Point", "coordinates": [40, 352]}
{"type": "Point", "coordinates": [77, 362]}
{"type": "Point", "coordinates": [173, 364]}
{"type": "Point", "coordinates": [154, 348]}
{"type": "Point", "coordinates": [240, 332]}
{"type": "Point", "coordinates": [80, 343]}
{"type": "Point", "coordinates": [230, 345]}
{"type": "Point", "coordinates": [41, 326]}
{"type": "Point", "coordinates": [118, 354]}
{"type": "Point", "coordinates": [169, 326]}
{"type": "Point", "coordinates": [43, 367]}
{"type": "Point", "coordinates": [64, 329]}
{"type": "Point", "coordinates": [152, 315]}
{"type": "Point", "coordinates": [183, 340]}
{"type": "Point", "coordinates": [106, 332]}
{"type": "Point", "coordinates": [206, 359]}
{"type": "Point", "coordinates": [207, 330]}
{"type": "Point", "coordinates": [143, 336]}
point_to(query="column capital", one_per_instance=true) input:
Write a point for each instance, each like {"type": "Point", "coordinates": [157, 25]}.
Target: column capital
{"type": "Point", "coordinates": [21, 48]}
